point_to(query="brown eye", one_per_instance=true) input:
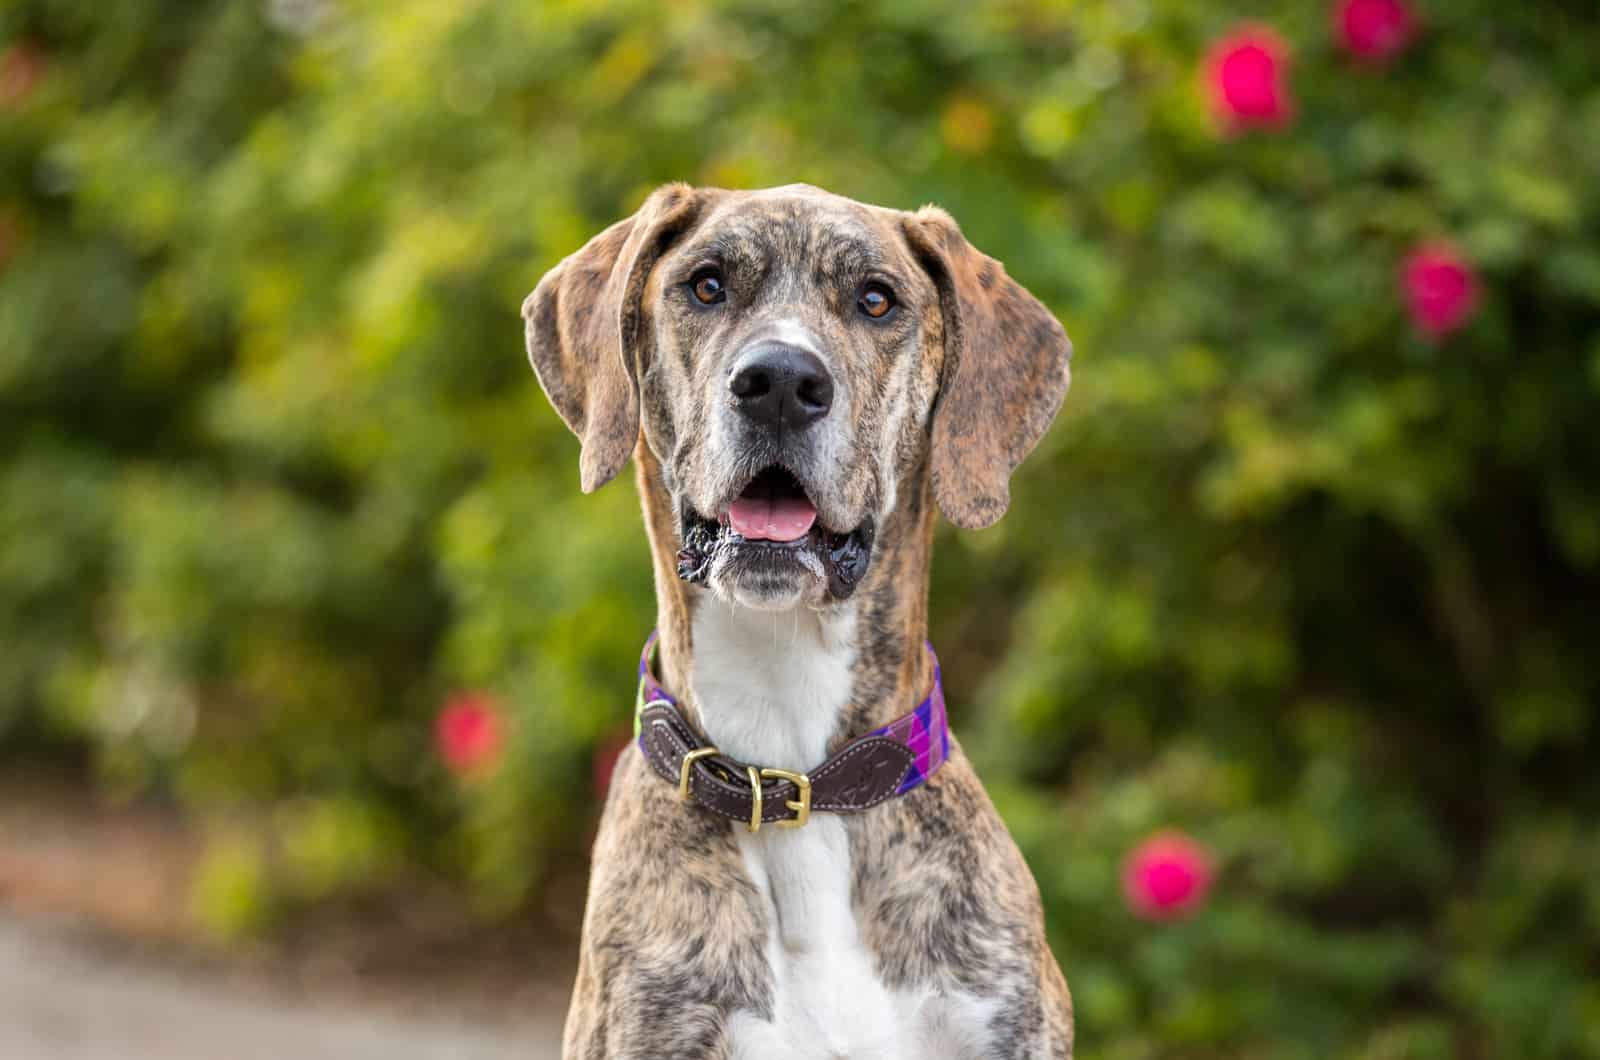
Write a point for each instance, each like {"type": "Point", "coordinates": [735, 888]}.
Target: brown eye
{"type": "Point", "coordinates": [707, 287]}
{"type": "Point", "coordinates": [876, 301]}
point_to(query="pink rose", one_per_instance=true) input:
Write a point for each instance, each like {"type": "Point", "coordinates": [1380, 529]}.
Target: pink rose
{"type": "Point", "coordinates": [1374, 31]}
{"type": "Point", "coordinates": [470, 733]}
{"type": "Point", "coordinates": [1166, 877]}
{"type": "Point", "coordinates": [1246, 79]}
{"type": "Point", "coordinates": [22, 66]}
{"type": "Point", "coordinates": [1440, 287]}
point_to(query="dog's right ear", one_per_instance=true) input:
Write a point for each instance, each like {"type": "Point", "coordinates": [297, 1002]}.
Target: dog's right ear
{"type": "Point", "coordinates": [583, 326]}
{"type": "Point", "coordinates": [1006, 371]}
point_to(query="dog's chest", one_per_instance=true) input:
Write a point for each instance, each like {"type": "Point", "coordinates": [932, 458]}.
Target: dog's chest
{"type": "Point", "coordinates": [771, 689]}
{"type": "Point", "coordinates": [828, 1001]}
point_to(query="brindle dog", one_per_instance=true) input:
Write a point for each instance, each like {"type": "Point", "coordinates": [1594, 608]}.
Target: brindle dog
{"type": "Point", "coordinates": [800, 378]}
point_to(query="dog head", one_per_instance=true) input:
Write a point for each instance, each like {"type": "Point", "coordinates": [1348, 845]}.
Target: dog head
{"type": "Point", "coordinates": [796, 361]}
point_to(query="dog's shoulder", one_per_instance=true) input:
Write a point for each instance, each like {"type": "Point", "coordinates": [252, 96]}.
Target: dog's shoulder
{"type": "Point", "coordinates": [943, 886]}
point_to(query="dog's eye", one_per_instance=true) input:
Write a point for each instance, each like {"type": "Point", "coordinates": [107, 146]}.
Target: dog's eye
{"type": "Point", "coordinates": [707, 287]}
{"type": "Point", "coordinates": [876, 301]}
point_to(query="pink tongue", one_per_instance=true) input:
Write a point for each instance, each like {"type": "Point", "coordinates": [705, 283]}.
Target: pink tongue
{"type": "Point", "coordinates": [783, 519]}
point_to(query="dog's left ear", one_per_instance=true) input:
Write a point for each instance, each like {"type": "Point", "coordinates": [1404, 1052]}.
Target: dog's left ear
{"type": "Point", "coordinates": [1006, 372]}
{"type": "Point", "coordinates": [584, 324]}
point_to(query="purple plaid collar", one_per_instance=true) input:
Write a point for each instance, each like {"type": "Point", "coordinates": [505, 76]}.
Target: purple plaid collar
{"type": "Point", "coordinates": [925, 730]}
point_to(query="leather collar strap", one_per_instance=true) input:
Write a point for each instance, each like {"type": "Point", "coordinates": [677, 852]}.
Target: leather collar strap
{"type": "Point", "coordinates": [866, 771]}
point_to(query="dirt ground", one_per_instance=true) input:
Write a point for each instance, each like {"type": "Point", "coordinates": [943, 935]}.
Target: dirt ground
{"type": "Point", "coordinates": [100, 960]}
{"type": "Point", "coordinates": [67, 997]}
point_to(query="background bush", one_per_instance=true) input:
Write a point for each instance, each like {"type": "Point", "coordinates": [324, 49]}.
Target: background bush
{"type": "Point", "coordinates": [275, 479]}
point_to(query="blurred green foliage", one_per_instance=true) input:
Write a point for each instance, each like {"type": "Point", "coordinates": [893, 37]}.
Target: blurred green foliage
{"type": "Point", "coordinates": [275, 478]}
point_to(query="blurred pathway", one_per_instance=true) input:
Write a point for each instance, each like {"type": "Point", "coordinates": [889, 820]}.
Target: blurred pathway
{"type": "Point", "coordinates": [62, 998]}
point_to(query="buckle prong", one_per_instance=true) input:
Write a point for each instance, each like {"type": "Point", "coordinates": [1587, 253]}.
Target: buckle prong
{"type": "Point", "coordinates": [683, 770]}
{"type": "Point", "coordinates": [802, 808]}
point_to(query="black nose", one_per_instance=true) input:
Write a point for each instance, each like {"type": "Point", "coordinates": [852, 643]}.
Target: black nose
{"type": "Point", "coordinates": [779, 386]}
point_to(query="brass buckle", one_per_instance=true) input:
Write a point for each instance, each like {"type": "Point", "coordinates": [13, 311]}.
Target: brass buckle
{"type": "Point", "coordinates": [755, 806]}
{"type": "Point", "coordinates": [802, 808]}
{"type": "Point", "coordinates": [683, 769]}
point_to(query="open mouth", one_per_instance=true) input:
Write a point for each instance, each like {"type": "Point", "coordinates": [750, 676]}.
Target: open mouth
{"type": "Point", "coordinates": [775, 519]}
{"type": "Point", "coordinates": [773, 507]}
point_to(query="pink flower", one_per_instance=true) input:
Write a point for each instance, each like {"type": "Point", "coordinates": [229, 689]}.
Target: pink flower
{"type": "Point", "coordinates": [1441, 289]}
{"type": "Point", "coordinates": [1246, 79]}
{"type": "Point", "coordinates": [470, 733]}
{"type": "Point", "coordinates": [22, 66]}
{"type": "Point", "coordinates": [1166, 876]}
{"type": "Point", "coordinates": [1374, 31]}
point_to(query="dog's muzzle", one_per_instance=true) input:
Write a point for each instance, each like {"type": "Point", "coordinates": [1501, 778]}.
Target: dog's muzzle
{"type": "Point", "coordinates": [773, 515]}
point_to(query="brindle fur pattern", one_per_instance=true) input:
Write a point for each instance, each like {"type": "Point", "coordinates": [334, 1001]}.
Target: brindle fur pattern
{"type": "Point", "coordinates": [938, 404]}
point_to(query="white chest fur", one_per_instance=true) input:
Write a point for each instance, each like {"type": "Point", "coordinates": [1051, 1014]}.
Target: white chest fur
{"type": "Point", "coordinates": [771, 688]}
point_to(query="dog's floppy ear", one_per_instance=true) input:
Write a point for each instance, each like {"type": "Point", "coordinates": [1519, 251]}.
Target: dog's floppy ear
{"type": "Point", "coordinates": [1006, 371]}
{"type": "Point", "coordinates": [583, 329]}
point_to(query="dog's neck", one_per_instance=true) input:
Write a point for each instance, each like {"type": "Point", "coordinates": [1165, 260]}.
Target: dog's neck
{"type": "Point", "coordinates": [787, 688]}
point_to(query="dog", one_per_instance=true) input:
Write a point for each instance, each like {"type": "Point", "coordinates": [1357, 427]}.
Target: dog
{"type": "Point", "coordinates": [795, 859]}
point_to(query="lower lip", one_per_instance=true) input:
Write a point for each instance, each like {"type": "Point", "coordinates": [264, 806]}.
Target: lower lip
{"type": "Point", "coordinates": [845, 557]}
{"type": "Point", "coordinates": [763, 544]}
